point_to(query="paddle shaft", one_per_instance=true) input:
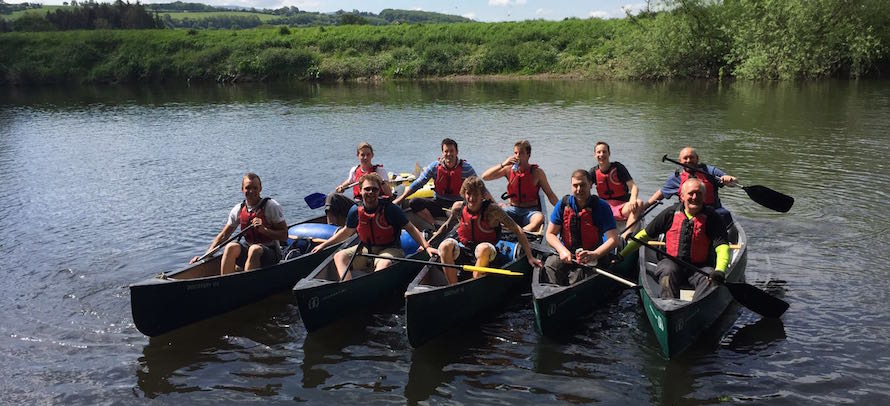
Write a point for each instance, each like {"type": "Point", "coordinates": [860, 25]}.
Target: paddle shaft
{"type": "Point", "coordinates": [671, 257]}
{"type": "Point", "coordinates": [223, 244]}
{"type": "Point", "coordinates": [607, 274]}
{"type": "Point", "coordinates": [691, 168]}
{"type": "Point", "coordinates": [470, 268]}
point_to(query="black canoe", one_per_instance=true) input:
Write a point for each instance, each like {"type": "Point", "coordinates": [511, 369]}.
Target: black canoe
{"type": "Point", "coordinates": [433, 307]}
{"type": "Point", "coordinates": [557, 307]}
{"type": "Point", "coordinates": [678, 323]}
{"type": "Point", "coordinates": [322, 298]}
{"type": "Point", "coordinates": [172, 300]}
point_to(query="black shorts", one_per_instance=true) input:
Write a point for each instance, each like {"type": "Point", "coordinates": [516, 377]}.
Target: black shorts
{"type": "Point", "coordinates": [436, 206]}
{"type": "Point", "coordinates": [271, 255]}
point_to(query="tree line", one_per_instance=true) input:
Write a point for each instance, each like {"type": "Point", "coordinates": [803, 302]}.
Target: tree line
{"type": "Point", "coordinates": [88, 15]}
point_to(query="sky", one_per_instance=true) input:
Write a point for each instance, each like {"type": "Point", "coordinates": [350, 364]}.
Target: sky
{"type": "Point", "coordinates": [479, 10]}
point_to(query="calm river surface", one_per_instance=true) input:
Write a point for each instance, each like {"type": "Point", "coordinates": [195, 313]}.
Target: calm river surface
{"type": "Point", "coordinates": [103, 187]}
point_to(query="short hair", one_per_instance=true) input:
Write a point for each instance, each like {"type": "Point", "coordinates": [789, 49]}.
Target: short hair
{"type": "Point", "coordinates": [252, 176]}
{"type": "Point", "coordinates": [694, 152]}
{"type": "Point", "coordinates": [598, 143]}
{"type": "Point", "coordinates": [582, 174]}
{"type": "Point", "coordinates": [362, 146]}
{"type": "Point", "coordinates": [472, 184]}
{"type": "Point", "coordinates": [373, 176]}
{"type": "Point", "coordinates": [701, 185]}
{"type": "Point", "coordinates": [449, 141]}
{"type": "Point", "coordinates": [524, 144]}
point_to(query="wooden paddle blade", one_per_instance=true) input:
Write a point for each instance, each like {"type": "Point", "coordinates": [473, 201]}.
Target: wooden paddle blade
{"type": "Point", "coordinates": [315, 200]}
{"type": "Point", "coordinates": [769, 198]}
{"type": "Point", "coordinates": [473, 268]}
{"type": "Point", "coordinates": [757, 300]}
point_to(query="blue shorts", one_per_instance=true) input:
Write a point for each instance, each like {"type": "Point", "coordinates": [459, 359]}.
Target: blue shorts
{"type": "Point", "coordinates": [521, 215]}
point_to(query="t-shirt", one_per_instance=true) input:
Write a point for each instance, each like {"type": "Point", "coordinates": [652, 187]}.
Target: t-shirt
{"type": "Point", "coordinates": [623, 177]}
{"type": "Point", "coordinates": [393, 214]}
{"type": "Point", "coordinates": [602, 214]}
{"type": "Point", "coordinates": [672, 184]}
{"type": "Point", "coordinates": [273, 212]}
{"type": "Point", "coordinates": [350, 178]}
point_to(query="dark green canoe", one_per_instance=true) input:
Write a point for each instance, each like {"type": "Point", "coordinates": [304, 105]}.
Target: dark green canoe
{"type": "Point", "coordinates": [322, 298]}
{"type": "Point", "coordinates": [678, 323]}
{"type": "Point", "coordinates": [433, 307]}
{"type": "Point", "coordinates": [172, 300]}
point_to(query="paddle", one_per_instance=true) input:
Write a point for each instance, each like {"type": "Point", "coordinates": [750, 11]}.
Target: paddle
{"type": "Point", "coordinates": [223, 244]}
{"type": "Point", "coordinates": [747, 295]}
{"type": "Point", "coordinates": [317, 199]}
{"type": "Point", "coordinates": [469, 268]}
{"type": "Point", "coordinates": [352, 258]}
{"type": "Point", "coordinates": [608, 275]}
{"type": "Point", "coordinates": [762, 195]}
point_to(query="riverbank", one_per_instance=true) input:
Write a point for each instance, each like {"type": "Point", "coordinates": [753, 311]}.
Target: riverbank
{"type": "Point", "coordinates": [692, 41]}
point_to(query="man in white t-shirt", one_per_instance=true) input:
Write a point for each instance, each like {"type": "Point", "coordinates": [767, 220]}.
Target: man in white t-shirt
{"type": "Point", "coordinates": [267, 226]}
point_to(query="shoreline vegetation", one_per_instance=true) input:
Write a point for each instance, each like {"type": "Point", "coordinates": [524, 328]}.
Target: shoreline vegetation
{"type": "Point", "coordinates": [738, 39]}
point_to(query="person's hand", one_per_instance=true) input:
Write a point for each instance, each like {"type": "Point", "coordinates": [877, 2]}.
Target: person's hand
{"type": "Point", "coordinates": [194, 259]}
{"type": "Point", "coordinates": [565, 256]}
{"type": "Point", "coordinates": [257, 222]}
{"type": "Point", "coordinates": [510, 161]}
{"type": "Point", "coordinates": [586, 257]}
{"type": "Point", "coordinates": [339, 189]}
{"type": "Point", "coordinates": [728, 180]}
{"type": "Point", "coordinates": [431, 251]}
{"type": "Point", "coordinates": [718, 276]}
{"type": "Point", "coordinates": [534, 262]}
{"type": "Point", "coordinates": [316, 248]}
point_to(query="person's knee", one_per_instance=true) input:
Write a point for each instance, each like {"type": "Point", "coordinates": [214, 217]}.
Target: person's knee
{"type": "Point", "coordinates": [233, 248]}
{"type": "Point", "coordinates": [340, 256]}
{"type": "Point", "coordinates": [449, 246]}
{"type": "Point", "coordinates": [486, 250]}
{"type": "Point", "coordinates": [255, 251]}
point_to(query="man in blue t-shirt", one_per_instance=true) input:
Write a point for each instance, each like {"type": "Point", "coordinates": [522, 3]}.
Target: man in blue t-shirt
{"type": "Point", "coordinates": [577, 226]}
{"type": "Point", "coordinates": [711, 176]}
{"type": "Point", "coordinates": [379, 226]}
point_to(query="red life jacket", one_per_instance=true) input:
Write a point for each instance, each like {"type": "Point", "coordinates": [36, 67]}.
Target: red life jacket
{"type": "Point", "coordinates": [373, 229]}
{"type": "Point", "coordinates": [475, 228]}
{"type": "Point", "coordinates": [448, 181]}
{"type": "Point", "coordinates": [357, 189]}
{"type": "Point", "coordinates": [253, 236]}
{"type": "Point", "coordinates": [578, 229]}
{"type": "Point", "coordinates": [608, 186]}
{"type": "Point", "coordinates": [710, 187]}
{"type": "Point", "coordinates": [687, 238]}
{"type": "Point", "coordinates": [521, 186]}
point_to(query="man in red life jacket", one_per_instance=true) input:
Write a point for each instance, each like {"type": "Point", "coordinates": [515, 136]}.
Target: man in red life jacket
{"type": "Point", "coordinates": [576, 229]}
{"type": "Point", "coordinates": [615, 185]}
{"type": "Point", "coordinates": [524, 181]}
{"type": "Point", "coordinates": [379, 225]}
{"type": "Point", "coordinates": [261, 246]}
{"type": "Point", "coordinates": [713, 178]}
{"type": "Point", "coordinates": [479, 224]}
{"type": "Point", "coordinates": [336, 206]}
{"type": "Point", "coordinates": [448, 173]}
{"type": "Point", "coordinates": [693, 232]}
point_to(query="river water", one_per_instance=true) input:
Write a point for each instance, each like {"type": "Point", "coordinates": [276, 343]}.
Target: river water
{"type": "Point", "coordinates": [103, 187]}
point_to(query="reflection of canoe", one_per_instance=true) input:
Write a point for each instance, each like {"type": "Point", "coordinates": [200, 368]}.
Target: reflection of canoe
{"type": "Point", "coordinates": [678, 323]}
{"type": "Point", "coordinates": [556, 307]}
{"type": "Point", "coordinates": [322, 298]}
{"type": "Point", "coordinates": [433, 307]}
{"type": "Point", "coordinates": [169, 301]}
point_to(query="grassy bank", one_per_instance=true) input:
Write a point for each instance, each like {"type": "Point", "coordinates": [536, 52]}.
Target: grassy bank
{"type": "Point", "coordinates": [794, 39]}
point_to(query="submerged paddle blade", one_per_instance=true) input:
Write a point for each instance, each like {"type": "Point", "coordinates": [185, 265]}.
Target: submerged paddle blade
{"type": "Point", "coordinates": [757, 300]}
{"type": "Point", "coordinates": [315, 200]}
{"type": "Point", "coordinates": [473, 268]}
{"type": "Point", "coordinates": [769, 198]}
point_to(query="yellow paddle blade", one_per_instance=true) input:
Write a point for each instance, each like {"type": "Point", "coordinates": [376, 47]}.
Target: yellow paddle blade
{"type": "Point", "coordinates": [473, 268]}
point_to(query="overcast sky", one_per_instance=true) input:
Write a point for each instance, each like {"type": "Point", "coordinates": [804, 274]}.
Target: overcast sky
{"type": "Point", "coordinates": [480, 10]}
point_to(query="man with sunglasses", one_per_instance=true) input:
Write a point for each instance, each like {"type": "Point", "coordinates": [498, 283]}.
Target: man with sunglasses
{"type": "Point", "coordinates": [379, 225]}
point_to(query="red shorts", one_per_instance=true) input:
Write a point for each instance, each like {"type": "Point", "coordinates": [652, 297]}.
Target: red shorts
{"type": "Point", "coordinates": [616, 206]}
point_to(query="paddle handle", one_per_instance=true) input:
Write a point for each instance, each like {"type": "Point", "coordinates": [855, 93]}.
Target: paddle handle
{"type": "Point", "coordinates": [223, 244]}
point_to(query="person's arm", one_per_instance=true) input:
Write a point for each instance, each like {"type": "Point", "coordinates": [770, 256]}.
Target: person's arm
{"type": "Point", "coordinates": [421, 243]}
{"type": "Point", "coordinates": [453, 217]}
{"type": "Point", "coordinates": [604, 221]}
{"type": "Point", "coordinates": [499, 170]}
{"type": "Point", "coordinates": [554, 227]}
{"type": "Point", "coordinates": [418, 183]}
{"type": "Point", "coordinates": [276, 228]}
{"type": "Point", "coordinates": [386, 187]}
{"type": "Point", "coordinates": [349, 179]}
{"type": "Point", "coordinates": [342, 234]}
{"type": "Point", "coordinates": [724, 178]}
{"type": "Point", "coordinates": [655, 197]}
{"type": "Point", "coordinates": [545, 186]}
{"type": "Point", "coordinates": [634, 192]}
{"type": "Point", "coordinates": [222, 236]}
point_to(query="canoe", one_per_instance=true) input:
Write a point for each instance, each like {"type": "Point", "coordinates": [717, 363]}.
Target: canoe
{"type": "Point", "coordinates": [322, 298]}
{"type": "Point", "coordinates": [558, 307]}
{"type": "Point", "coordinates": [678, 323]}
{"type": "Point", "coordinates": [172, 300]}
{"type": "Point", "coordinates": [433, 307]}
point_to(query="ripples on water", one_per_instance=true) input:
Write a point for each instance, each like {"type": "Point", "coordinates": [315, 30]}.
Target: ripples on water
{"type": "Point", "coordinates": [110, 186]}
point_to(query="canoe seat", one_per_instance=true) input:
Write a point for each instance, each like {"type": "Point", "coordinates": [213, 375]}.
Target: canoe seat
{"type": "Point", "coordinates": [686, 295]}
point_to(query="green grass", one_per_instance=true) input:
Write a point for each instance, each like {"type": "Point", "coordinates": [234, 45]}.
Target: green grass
{"type": "Point", "coordinates": [39, 11]}
{"type": "Point", "coordinates": [180, 15]}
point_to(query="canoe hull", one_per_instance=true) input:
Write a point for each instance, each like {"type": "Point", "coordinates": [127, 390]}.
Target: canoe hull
{"type": "Point", "coordinates": [678, 324]}
{"type": "Point", "coordinates": [433, 310]}
{"type": "Point", "coordinates": [160, 305]}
